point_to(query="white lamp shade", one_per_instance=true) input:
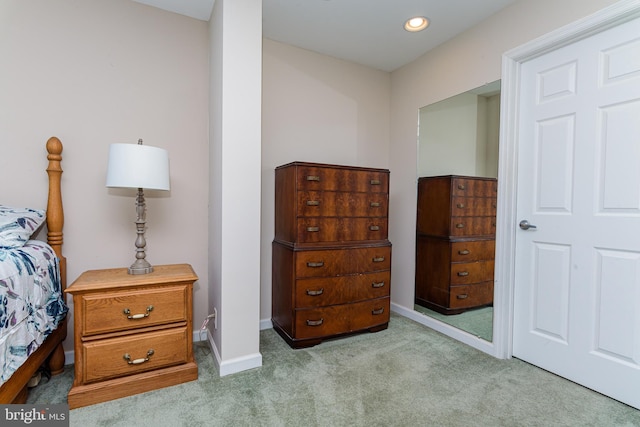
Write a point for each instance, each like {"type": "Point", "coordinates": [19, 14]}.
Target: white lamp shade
{"type": "Point", "coordinates": [138, 166]}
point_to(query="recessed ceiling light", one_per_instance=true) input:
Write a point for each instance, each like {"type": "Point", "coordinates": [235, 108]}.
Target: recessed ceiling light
{"type": "Point", "coordinates": [417, 23]}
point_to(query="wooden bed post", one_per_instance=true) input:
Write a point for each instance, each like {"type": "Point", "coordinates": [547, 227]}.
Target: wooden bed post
{"type": "Point", "coordinates": [55, 223]}
{"type": "Point", "coordinates": [55, 213]}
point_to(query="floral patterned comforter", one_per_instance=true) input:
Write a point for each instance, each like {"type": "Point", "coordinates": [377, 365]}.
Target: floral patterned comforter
{"type": "Point", "coordinates": [31, 302]}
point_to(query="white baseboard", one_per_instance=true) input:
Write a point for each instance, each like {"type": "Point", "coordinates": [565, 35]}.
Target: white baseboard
{"type": "Point", "coordinates": [236, 365]}
{"type": "Point", "coordinates": [265, 324]}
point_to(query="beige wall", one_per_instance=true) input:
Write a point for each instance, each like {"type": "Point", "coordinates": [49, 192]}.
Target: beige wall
{"type": "Point", "coordinates": [92, 73]}
{"type": "Point", "coordinates": [316, 109]}
{"type": "Point", "coordinates": [469, 60]}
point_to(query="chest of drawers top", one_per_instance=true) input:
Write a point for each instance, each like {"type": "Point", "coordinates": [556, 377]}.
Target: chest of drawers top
{"type": "Point", "coordinates": [325, 177]}
{"type": "Point", "coordinates": [330, 203]}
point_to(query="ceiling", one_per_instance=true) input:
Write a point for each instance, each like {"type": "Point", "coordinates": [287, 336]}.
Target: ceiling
{"type": "Point", "coordinates": [368, 32]}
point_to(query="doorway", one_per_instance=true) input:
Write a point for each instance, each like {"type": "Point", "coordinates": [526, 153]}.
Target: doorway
{"type": "Point", "coordinates": [572, 285]}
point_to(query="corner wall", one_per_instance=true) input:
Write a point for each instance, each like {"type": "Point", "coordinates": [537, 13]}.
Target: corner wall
{"type": "Point", "coordinates": [235, 33]}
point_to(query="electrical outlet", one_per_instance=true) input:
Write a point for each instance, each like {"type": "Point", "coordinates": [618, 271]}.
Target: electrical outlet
{"type": "Point", "coordinates": [215, 318]}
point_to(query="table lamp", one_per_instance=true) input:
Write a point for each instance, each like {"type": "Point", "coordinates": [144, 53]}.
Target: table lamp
{"type": "Point", "coordinates": [138, 166]}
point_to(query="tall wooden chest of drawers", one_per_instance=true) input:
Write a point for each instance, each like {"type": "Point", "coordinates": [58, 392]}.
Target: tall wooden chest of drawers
{"type": "Point", "coordinates": [455, 242]}
{"type": "Point", "coordinates": [331, 254]}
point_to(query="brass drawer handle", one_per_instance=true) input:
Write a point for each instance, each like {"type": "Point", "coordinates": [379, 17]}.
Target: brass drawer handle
{"type": "Point", "coordinates": [374, 228]}
{"type": "Point", "coordinates": [313, 229]}
{"type": "Point", "coordinates": [377, 284]}
{"type": "Point", "coordinates": [462, 296]}
{"type": "Point", "coordinates": [378, 259]}
{"type": "Point", "coordinates": [315, 322]}
{"type": "Point", "coordinates": [464, 252]}
{"type": "Point", "coordinates": [315, 293]}
{"type": "Point", "coordinates": [313, 178]}
{"type": "Point", "coordinates": [375, 182]}
{"type": "Point", "coordinates": [374, 204]}
{"type": "Point", "coordinates": [461, 186]}
{"type": "Point", "coordinates": [127, 357]}
{"type": "Point", "coordinates": [460, 205]}
{"type": "Point", "coordinates": [460, 225]}
{"type": "Point", "coordinates": [315, 264]}
{"type": "Point", "coordinates": [463, 273]}
{"type": "Point", "coordinates": [377, 311]}
{"type": "Point", "coordinates": [127, 312]}
{"type": "Point", "coordinates": [313, 202]}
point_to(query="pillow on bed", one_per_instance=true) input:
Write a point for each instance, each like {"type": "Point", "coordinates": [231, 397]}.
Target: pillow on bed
{"type": "Point", "coordinates": [17, 225]}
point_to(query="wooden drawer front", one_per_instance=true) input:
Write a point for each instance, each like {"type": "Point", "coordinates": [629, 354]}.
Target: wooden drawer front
{"type": "Point", "coordinates": [473, 206]}
{"type": "Point", "coordinates": [477, 250]}
{"type": "Point", "coordinates": [342, 204]}
{"type": "Point", "coordinates": [372, 259]}
{"type": "Point", "coordinates": [105, 312]}
{"type": "Point", "coordinates": [473, 226]}
{"type": "Point", "coordinates": [471, 272]}
{"type": "Point", "coordinates": [471, 295]}
{"type": "Point", "coordinates": [340, 262]}
{"type": "Point", "coordinates": [338, 179]}
{"type": "Point", "coordinates": [320, 292]}
{"type": "Point", "coordinates": [340, 319]}
{"type": "Point", "coordinates": [468, 187]}
{"type": "Point", "coordinates": [104, 359]}
{"type": "Point", "coordinates": [341, 229]}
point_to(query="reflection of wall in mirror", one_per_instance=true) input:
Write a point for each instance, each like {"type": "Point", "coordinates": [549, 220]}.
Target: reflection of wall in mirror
{"type": "Point", "coordinates": [459, 136]}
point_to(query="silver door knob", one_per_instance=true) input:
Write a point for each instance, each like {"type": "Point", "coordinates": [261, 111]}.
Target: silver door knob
{"type": "Point", "coordinates": [524, 224]}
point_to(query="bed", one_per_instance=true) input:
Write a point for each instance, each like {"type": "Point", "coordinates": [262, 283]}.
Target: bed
{"type": "Point", "coordinates": [32, 320]}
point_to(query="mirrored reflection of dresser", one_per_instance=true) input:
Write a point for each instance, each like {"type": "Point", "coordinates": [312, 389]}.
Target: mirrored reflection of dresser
{"type": "Point", "coordinates": [455, 242]}
{"type": "Point", "coordinates": [331, 254]}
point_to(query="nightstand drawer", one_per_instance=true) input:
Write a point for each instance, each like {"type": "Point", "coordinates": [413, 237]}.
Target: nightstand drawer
{"type": "Point", "coordinates": [129, 310]}
{"type": "Point", "coordinates": [117, 357]}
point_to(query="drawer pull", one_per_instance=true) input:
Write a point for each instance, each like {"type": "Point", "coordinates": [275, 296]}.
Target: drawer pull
{"type": "Point", "coordinates": [313, 229]}
{"type": "Point", "coordinates": [462, 296]}
{"type": "Point", "coordinates": [313, 178]}
{"type": "Point", "coordinates": [315, 293]}
{"type": "Point", "coordinates": [460, 205]}
{"type": "Point", "coordinates": [127, 312]}
{"type": "Point", "coordinates": [377, 284]}
{"type": "Point", "coordinates": [464, 252]}
{"type": "Point", "coordinates": [374, 228]}
{"type": "Point", "coordinates": [377, 311]}
{"type": "Point", "coordinates": [315, 322]}
{"type": "Point", "coordinates": [375, 182]}
{"type": "Point", "coordinates": [127, 357]}
{"type": "Point", "coordinates": [315, 264]}
{"type": "Point", "coordinates": [463, 273]}
{"type": "Point", "coordinates": [460, 186]}
{"type": "Point", "coordinates": [460, 225]}
{"type": "Point", "coordinates": [374, 204]}
{"type": "Point", "coordinates": [313, 203]}
{"type": "Point", "coordinates": [378, 259]}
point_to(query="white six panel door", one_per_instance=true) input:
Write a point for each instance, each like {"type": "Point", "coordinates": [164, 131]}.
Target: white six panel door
{"type": "Point", "coordinates": [577, 290]}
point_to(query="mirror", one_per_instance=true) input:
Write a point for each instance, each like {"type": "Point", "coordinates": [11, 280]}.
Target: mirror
{"type": "Point", "coordinates": [458, 136]}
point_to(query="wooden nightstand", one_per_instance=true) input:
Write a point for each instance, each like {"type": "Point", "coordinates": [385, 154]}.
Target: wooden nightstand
{"type": "Point", "coordinates": [132, 333]}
